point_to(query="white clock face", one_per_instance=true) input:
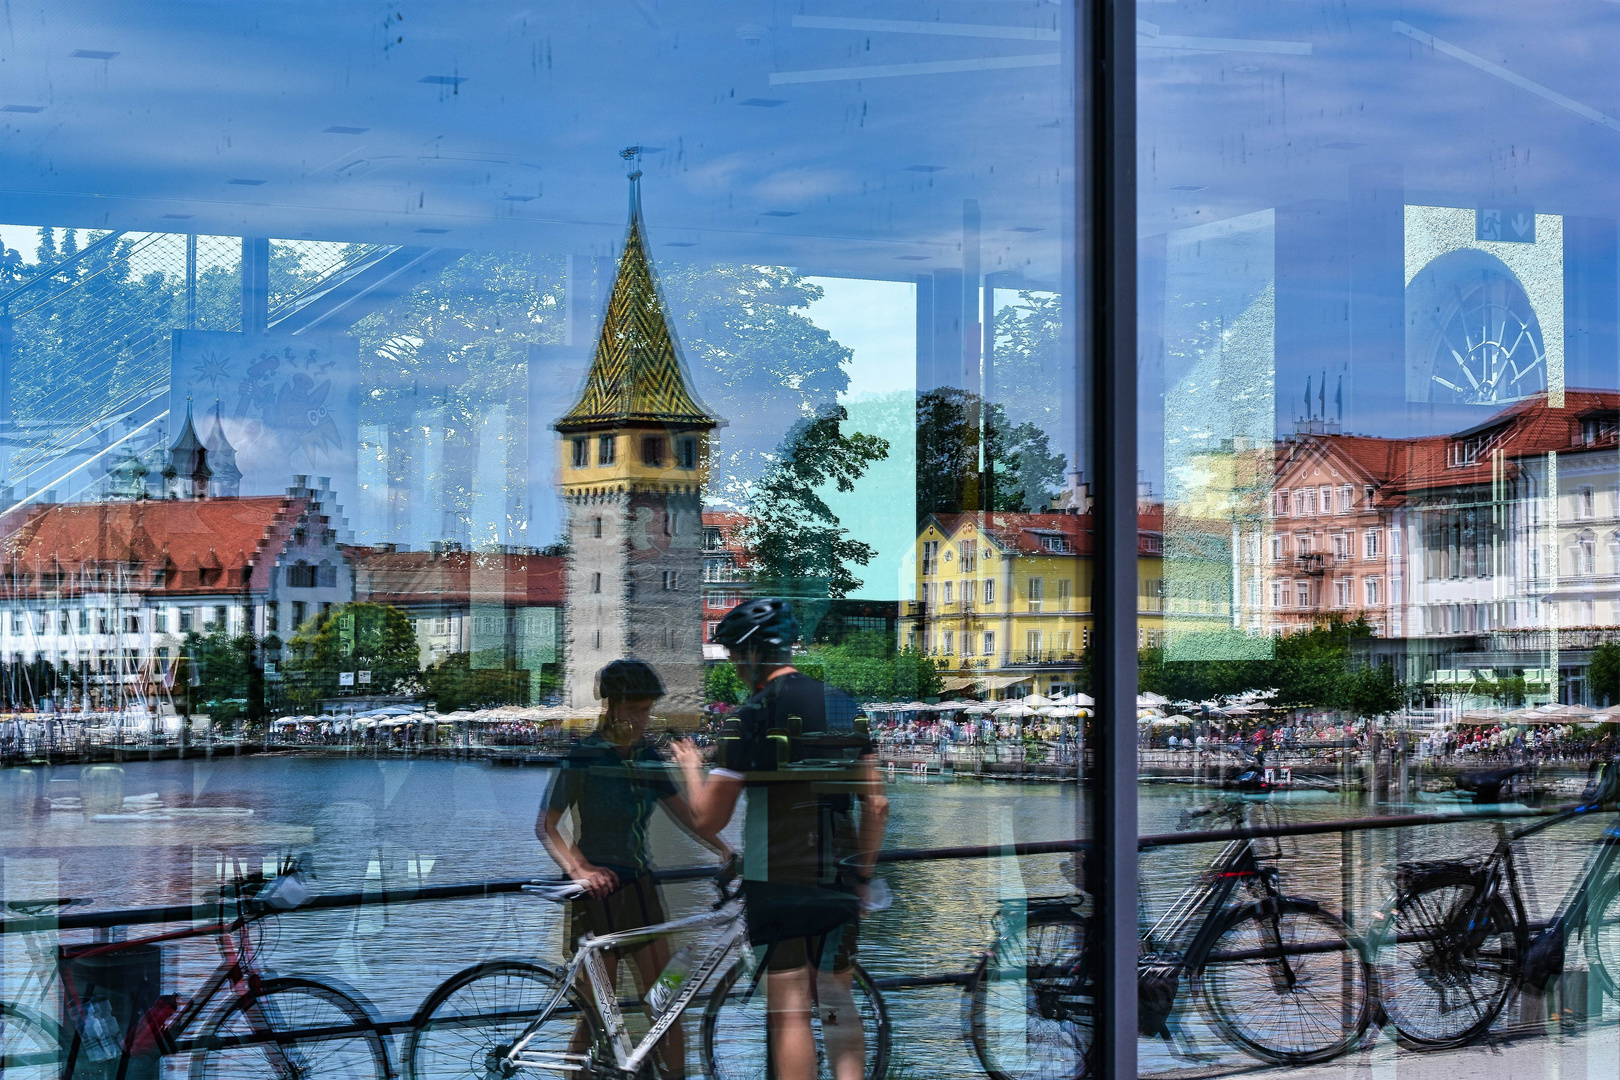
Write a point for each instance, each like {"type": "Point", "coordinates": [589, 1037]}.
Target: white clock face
{"type": "Point", "coordinates": [1490, 348]}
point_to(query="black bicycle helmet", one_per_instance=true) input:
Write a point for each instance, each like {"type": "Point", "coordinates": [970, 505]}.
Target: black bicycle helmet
{"type": "Point", "coordinates": [628, 679]}
{"type": "Point", "coordinates": [766, 624]}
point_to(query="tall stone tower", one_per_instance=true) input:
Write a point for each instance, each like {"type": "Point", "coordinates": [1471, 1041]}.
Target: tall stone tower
{"type": "Point", "coordinates": [634, 457]}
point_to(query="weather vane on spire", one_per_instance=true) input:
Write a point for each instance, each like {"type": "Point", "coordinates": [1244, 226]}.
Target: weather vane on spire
{"type": "Point", "coordinates": [633, 154]}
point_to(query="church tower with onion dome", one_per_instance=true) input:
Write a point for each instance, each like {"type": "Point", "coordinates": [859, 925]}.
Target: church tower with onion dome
{"type": "Point", "coordinates": [634, 457]}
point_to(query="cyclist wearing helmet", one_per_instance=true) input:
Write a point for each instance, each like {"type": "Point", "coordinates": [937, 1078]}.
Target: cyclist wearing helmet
{"type": "Point", "coordinates": [611, 781]}
{"type": "Point", "coordinates": [795, 748]}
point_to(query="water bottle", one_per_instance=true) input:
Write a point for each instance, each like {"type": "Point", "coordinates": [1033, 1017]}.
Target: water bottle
{"type": "Point", "coordinates": [98, 1031]}
{"type": "Point", "coordinates": [669, 981]}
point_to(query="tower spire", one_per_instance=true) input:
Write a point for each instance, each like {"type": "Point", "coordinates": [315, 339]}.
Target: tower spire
{"type": "Point", "coordinates": [226, 478]}
{"type": "Point", "coordinates": [187, 474]}
{"type": "Point", "coordinates": [637, 374]}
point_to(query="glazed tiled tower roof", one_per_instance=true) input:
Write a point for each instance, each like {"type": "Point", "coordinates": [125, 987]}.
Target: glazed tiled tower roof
{"type": "Point", "coordinates": [636, 375]}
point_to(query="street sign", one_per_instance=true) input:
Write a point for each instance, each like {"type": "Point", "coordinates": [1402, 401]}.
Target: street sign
{"type": "Point", "coordinates": [365, 678]}
{"type": "Point", "coordinates": [345, 678]}
{"type": "Point", "coordinates": [1505, 224]}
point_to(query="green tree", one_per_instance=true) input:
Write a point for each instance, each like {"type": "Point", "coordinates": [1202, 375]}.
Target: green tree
{"type": "Point", "coordinates": [722, 683]}
{"type": "Point", "coordinates": [970, 456]}
{"type": "Point", "coordinates": [795, 543]}
{"type": "Point", "coordinates": [1309, 669]}
{"type": "Point", "coordinates": [1371, 690]}
{"type": "Point", "coordinates": [226, 681]}
{"type": "Point", "coordinates": [353, 637]}
{"type": "Point", "coordinates": [868, 667]}
{"type": "Point", "coordinates": [1032, 363]}
{"type": "Point", "coordinates": [758, 359]}
{"type": "Point", "coordinates": [1603, 675]}
{"type": "Point", "coordinates": [452, 683]}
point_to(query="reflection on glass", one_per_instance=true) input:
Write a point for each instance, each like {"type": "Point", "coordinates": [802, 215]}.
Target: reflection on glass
{"type": "Point", "coordinates": [1379, 345]}
{"type": "Point", "coordinates": [351, 426]}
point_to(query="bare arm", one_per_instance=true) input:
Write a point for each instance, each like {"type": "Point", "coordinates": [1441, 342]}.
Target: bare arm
{"type": "Point", "coordinates": [597, 881]}
{"type": "Point", "coordinates": [712, 799]}
{"type": "Point", "coordinates": [681, 811]}
{"type": "Point", "coordinates": [874, 817]}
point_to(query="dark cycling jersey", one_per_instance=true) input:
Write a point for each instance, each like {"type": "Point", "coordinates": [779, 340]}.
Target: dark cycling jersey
{"type": "Point", "coordinates": [795, 747]}
{"type": "Point", "coordinates": [614, 793]}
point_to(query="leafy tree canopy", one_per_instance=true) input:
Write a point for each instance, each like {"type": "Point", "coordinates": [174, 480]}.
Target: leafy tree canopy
{"type": "Point", "coordinates": [226, 684]}
{"type": "Point", "coordinates": [795, 544]}
{"type": "Point", "coordinates": [453, 684]}
{"type": "Point", "coordinates": [1016, 470]}
{"type": "Point", "coordinates": [353, 637]}
{"type": "Point", "coordinates": [1309, 669]}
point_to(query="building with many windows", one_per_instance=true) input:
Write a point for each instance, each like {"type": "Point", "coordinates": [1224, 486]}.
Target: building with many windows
{"type": "Point", "coordinates": [502, 608]}
{"type": "Point", "coordinates": [105, 593]}
{"type": "Point", "coordinates": [1003, 600]}
{"type": "Point", "coordinates": [1332, 545]}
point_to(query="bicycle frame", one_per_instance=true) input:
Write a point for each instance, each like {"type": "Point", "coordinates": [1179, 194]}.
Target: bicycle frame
{"type": "Point", "coordinates": [629, 1057]}
{"type": "Point", "coordinates": [1575, 911]}
{"type": "Point", "coordinates": [233, 969]}
{"type": "Point", "coordinates": [1235, 863]}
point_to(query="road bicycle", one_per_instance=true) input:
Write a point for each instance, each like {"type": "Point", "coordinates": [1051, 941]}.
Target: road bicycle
{"type": "Point", "coordinates": [501, 1017]}
{"type": "Point", "coordinates": [239, 1024]}
{"type": "Point", "coordinates": [1457, 939]}
{"type": "Point", "coordinates": [1280, 977]}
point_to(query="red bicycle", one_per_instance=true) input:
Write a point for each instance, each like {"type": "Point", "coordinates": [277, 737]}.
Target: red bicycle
{"type": "Point", "coordinates": [238, 1025]}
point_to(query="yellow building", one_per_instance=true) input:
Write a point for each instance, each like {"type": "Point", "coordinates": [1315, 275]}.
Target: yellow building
{"type": "Point", "coordinates": [1002, 602]}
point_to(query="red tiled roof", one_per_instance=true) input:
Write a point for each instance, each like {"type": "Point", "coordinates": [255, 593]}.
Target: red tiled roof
{"type": "Point", "coordinates": [240, 538]}
{"type": "Point", "coordinates": [1022, 532]}
{"type": "Point", "coordinates": [1402, 465]}
{"type": "Point", "coordinates": [431, 577]}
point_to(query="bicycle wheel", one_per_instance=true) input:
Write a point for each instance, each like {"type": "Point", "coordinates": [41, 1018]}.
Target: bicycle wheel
{"type": "Point", "coordinates": [1287, 984]}
{"type": "Point", "coordinates": [734, 1032]}
{"type": "Point", "coordinates": [483, 1010]}
{"type": "Point", "coordinates": [1031, 1006]}
{"type": "Point", "coordinates": [294, 1028]}
{"type": "Point", "coordinates": [1443, 980]}
{"type": "Point", "coordinates": [1603, 937]}
{"type": "Point", "coordinates": [30, 1044]}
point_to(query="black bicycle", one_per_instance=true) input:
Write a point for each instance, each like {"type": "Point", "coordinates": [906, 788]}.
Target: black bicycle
{"type": "Point", "coordinates": [1457, 939]}
{"type": "Point", "coordinates": [1281, 977]}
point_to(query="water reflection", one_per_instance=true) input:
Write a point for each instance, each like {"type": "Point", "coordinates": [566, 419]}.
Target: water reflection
{"type": "Point", "coordinates": [389, 826]}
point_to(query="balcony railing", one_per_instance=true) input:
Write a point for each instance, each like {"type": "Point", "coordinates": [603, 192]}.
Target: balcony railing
{"type": "Point", "coordinates": [1043, 659]}
{"type": "Point", "coordinates": [1314, 562]}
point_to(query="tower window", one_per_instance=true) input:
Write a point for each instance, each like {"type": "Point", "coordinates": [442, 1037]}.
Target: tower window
{"type": "Point", "coordinates": [686, 452]}
{"type": "Point", "coordinates": [672, 580]}
{"type": "Point", "coordinates": [596, 583]}
{"type": "Point", "coordinates": [596, 527]}
{"type": "Point", "coordinates": [582, 453]}
{"type": "Point", "coordinates": [652, 450]}
{"type": "Point", "coordinates": [606, 450]}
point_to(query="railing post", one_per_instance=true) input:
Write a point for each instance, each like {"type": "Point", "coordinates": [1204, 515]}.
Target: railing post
{"type": "Point", "coordinates": [1105, 181]}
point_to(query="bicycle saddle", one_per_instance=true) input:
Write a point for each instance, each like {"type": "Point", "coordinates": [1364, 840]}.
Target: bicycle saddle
{"type": "Point", "coordinates": [41, 907]}
{"type": "Point", "coordinates": [555, 891]}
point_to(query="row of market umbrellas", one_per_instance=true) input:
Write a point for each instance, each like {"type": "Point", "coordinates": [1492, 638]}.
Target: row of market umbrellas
{"type": "Point", "coordinates": [1551, 713]}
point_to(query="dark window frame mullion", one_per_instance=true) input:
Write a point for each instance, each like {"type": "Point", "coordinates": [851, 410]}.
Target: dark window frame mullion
{"type": "Point", "coordinates": [1105, 81]}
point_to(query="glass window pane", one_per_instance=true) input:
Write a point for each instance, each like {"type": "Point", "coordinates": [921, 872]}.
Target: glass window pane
{"type": "Point", "coordinates": [404, 412]}
{"type": "Point", "coordinates": [1378, 275]}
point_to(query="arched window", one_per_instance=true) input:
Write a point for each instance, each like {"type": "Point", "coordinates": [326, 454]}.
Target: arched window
{"type": "Point", "coordinates": [1614, 553]}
